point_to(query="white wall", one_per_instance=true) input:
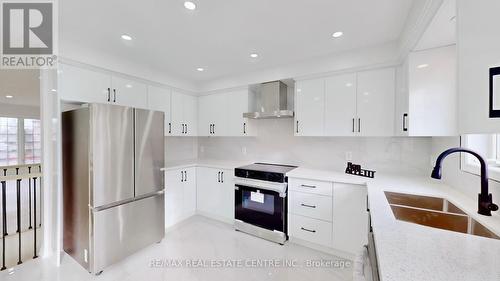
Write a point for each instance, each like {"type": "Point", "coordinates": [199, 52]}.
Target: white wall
{"type": "Point", "coordinates": [452, 175]}
{"type": "Point", "coordinates": [275, 143]}
{"type": "Point", "coordinates": [181, 148]}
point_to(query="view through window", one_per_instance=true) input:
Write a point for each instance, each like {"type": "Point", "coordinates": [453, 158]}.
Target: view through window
{"type": "Point", "coordinates": [20, 141]}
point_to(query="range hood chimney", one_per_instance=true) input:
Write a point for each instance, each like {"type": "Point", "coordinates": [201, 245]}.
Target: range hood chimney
{"type": "Point", "coordinates": [271, 102]}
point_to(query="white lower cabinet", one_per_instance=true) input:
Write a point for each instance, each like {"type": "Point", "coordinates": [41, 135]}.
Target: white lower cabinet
{"type": "Point", "coordinates": [328, 214]}
{"type": "Point", "coordinates": [215, 193]}
{"type": "Point", "coordinates": [180, 195]}
{"type": "Point", "coordinates": [350, 230]}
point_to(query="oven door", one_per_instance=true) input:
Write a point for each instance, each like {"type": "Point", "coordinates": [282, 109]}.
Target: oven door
{"type": "Point", "coordinates": [260, 207]}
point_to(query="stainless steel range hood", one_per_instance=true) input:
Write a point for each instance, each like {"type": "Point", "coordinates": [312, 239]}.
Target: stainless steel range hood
{"type": "Point", "coordinates": [271, 102]}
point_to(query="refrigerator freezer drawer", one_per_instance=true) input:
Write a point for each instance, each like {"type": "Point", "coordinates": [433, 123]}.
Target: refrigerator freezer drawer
{"type": "Point", "coordinates": [122, 230]}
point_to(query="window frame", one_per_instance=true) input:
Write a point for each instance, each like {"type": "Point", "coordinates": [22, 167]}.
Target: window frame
{"type": "Point", "coordinates": [21, 144]}
{"type": "Point", "coordinates": [472, 168]}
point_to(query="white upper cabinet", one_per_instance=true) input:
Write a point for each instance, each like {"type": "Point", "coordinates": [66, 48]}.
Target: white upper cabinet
{"type": "Point", "coordinates": [184, 114]}
{"type": "Point", "coordinates": [221, 114]}
{"type": "Point", "coordinates": [355, 104]}
{"type": "Point", "coordinates": [159, 99]}
{"type": "Point", "coordinates": [433, 92]}
{"type": "Point", "coordinates": [310, 107]}
{"type": "Point", "coordinates": [340, 105]}
{"type": "Point", "coordinates": [128, 92]}
{"type": "Point", "coordinates": [82, 85]}
{"type": "Point", "coordinates": [375, 102]}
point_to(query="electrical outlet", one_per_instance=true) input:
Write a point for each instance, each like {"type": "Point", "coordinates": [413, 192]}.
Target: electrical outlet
{"type": "Point", "coordinates": [244, 150]}
{"type": "Point", "coordinates": [348, 156]}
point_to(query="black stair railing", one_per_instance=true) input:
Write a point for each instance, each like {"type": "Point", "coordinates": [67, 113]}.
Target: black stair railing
{"type": "Point", "coordinates": [32, 180]}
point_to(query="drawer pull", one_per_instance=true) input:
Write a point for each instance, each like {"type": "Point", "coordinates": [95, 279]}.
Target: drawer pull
{"type": "Point", "coordinates": [305, 229]}
{"type": "Point", "coordinates": [308, 206]}
{"type": "Point", "coordinates": [309, 186]}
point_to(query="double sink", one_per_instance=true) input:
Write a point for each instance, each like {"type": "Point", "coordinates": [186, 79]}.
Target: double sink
{"type": "Point", "coordinates": [435, 212]}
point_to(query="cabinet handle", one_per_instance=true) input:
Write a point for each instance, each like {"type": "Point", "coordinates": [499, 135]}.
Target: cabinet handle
{"type": "Point", "coordinates": [309, 230]}
{"type": "Point", "coordinates": [222, 177]}
{"type": "Point", "coordinates": [218, 176]}
{"type": "Point", "coordinates": [405, 127]}
{"type": "Point", "coordinates": [213, 126]}
{"type": "Point", "coordinates": [297, 127]}
{"type": "Point", "coordinates": [185, 175]}
{"type": "Point", "coordinates": [309, 186]}
{"type": "Point", "coordinates": [353, 125]}
{"type": "Point", "coordinates": [308, 206]}
{"type": "Point", "coordinates": [186, 128]}
{"type": "Point", "coordinates": [367, 207]}
{"type": "Point", "coordinates": [244, 128]}
{"type": "Point", "coordinates": [109, 94]}
{"type": "Point", "coordinates": [169, 127]}
{"type": "Point", "coordinates": [359, 125]}
{"type": "Point", "coordinates": [114, 95]}
{"type": "Point", "coordinates": [182, 176]}
{"type": "Point", "coordinates": [210, 130]}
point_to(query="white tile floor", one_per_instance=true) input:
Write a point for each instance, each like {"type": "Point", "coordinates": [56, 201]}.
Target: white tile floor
{"type": "Point", "coordinates": [200, 240]}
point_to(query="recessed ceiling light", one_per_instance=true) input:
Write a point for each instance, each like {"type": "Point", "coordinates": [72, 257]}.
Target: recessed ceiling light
{"type": "Point", "coordinates": [424, 65]}
{"type": "Point", "coordinates": [337, 34]}
{"type": "Point", "coordinates": [254, 55]}
{"type": "Point", "coordinates": [9, 96]}
{"type": "Point", "coordinates": [200, 69]}
{"type": "Point", "coordinates": [189, 5]}
{"type": "Point", "coordinates": [128, 86]}
{"type": "Point", "coordinates": [348, 85]}
{"type": "Point", "coordinates": [126, 37]}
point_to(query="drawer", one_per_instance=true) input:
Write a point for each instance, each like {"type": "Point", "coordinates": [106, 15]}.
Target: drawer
{"type": "Point", "coordinates": [311, 230]}
{"type": "Point", "coordinates": [310, 205]}
{"type": "Point", "coordinates": [311, 186]}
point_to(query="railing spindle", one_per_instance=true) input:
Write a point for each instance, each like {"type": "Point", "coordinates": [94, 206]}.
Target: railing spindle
{"type": "Point", "coordinates": [29, 197]}
{"type": "Point", "coordinates": [18, 187]}
{"type": "Point", "coordinates": [34, 217]}
{"type": "Point", "coordinates": [4, 223]}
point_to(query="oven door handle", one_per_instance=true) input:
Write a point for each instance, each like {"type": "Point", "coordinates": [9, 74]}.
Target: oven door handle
{"type": "Point", "coordinates": [280, 191]}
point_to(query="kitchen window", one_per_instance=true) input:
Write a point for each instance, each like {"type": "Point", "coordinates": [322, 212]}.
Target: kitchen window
{"type": "Point", "coordinates": [487, 145]}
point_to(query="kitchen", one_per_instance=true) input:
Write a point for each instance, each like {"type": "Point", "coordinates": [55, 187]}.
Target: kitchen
{"type": "Point", "coordinates": [308, 147]}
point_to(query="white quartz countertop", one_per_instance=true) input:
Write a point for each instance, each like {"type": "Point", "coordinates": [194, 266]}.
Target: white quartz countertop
{"type": "Point", "coordinates": [408, 251]}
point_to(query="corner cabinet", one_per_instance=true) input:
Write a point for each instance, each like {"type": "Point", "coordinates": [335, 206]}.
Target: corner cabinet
{"type": "Point", "coordinates": [215, 193]}
{"type": "Point", "coordinates": [78, 84]}
{"type": "Point", "coordinates": [427, 97]}
{"type": "Point", "coordinates": [329, 216]}
{"type": "Point", "coordinates": [180, 195]}
{"type": "Point", "coordinates": [354, 104]}
{"type": "Point", "coordinates": [184, 114]}
{"type": "Point", "coordinates": [221, 114]}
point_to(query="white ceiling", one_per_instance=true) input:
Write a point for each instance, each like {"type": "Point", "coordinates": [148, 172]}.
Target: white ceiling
{"type": "Point", "coordinates": [220, 34]}
{"type": "Point", "coordinates": [22, 85]}
{"type": "Point", "coordinates": [442, 29]}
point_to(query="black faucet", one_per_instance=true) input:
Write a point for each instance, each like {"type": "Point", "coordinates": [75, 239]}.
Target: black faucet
{"type": "Point", "coordinates": [485, 201]}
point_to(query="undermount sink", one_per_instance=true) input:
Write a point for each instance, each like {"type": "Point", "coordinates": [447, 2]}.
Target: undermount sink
{"type": "Point", "coordinates": [435, 212]}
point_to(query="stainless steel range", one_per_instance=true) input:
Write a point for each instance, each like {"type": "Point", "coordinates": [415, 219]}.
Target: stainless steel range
{"type": "Point", "coordinates": [261, 200]}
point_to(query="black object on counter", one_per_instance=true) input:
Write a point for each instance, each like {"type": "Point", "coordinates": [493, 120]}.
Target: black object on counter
{"type": "Point", "coordinates": [354, 169]}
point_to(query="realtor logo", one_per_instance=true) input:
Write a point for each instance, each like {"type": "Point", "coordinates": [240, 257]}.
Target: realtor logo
{"type": "Point", "coordinates": [27, 35]}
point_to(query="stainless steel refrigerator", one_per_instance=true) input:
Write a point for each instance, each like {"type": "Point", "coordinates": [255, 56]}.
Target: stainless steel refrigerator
{"type": "Point", "coordinates": [113, 186]}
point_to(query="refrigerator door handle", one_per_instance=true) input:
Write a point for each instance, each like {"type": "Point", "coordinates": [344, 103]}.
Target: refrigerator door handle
{"type": "Point", "coordinates": [126, 201]}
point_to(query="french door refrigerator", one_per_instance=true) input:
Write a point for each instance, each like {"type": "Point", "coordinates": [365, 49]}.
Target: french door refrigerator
{"type": "Point", "coordinates": [113, 187]}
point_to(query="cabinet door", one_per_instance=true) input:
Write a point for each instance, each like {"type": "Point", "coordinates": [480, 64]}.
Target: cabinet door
{"type": "Point", "coordinates": [340, 105]}
{"type": "Point", "coordinates": [189, 192]}
{"type": "Point", "coordinates": [401, 101]}
{"type": "Point", "coordinates": [173, 197]}
{"type": "Point", "coordinates": [237, 103]}
{"type": "Point", "coordinates": [208, 191]}
{"type": "Point", "coordinates": [82, 85]}
{"type": "Point", "coordinates": [226, 201]}
{"type": "Point", "coordinates": [128, 92]}
{"type": "Point", "coordinates": [177, 113]}
{"type": "Point", "coordinates": [159, 99]}
{"type": "Point", "coordinates": [375, 102]}
{"type": "Point", "coordinates": [310, 107]}
{"type": "Point", "coordinates": [209, 108]}
{"type": "Point", "coordinates": [350, 229]}
{"type": "Point", "coordinates": [190, 114]}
